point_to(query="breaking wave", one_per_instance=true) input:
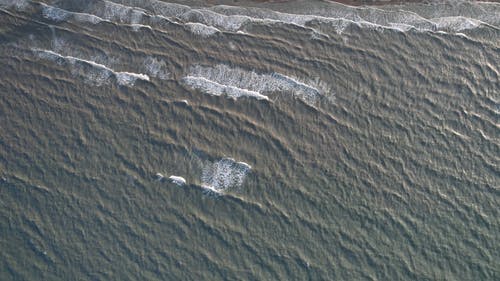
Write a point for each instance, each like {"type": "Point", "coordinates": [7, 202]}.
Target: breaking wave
{"type": "Point", "coordinates": [201, 29]}
{"type": "Point", "coordinates": [156, 68]}
{"type": "Point", "coordinates": [230, 18]}
{"type": "Point", "coordinates": [237, 82]}
{"type": "Point", "coordinates": [58, 15]}
{"type": "Point", "coordinates": [180, 181]}
{"type": "Point", "coordinates": [223, 174]}
{"type": "Point", "coordinates": [209, 21]}
{"type": "Point", "coordinates": [95, 73]}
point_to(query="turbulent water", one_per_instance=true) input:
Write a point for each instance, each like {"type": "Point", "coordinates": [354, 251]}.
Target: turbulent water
{"type": "Point", "coordinates": [145, 140]}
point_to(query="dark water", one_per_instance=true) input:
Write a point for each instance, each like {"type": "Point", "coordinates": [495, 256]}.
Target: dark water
{"type": "Point", "coordinates": [320, 142]}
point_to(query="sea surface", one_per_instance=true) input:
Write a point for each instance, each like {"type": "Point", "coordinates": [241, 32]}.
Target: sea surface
{"type": "Point", "coordinates": [225, 140]}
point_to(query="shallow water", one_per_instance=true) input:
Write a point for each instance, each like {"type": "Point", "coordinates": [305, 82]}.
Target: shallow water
{"type": "Point", "coordinates": [316, 142]}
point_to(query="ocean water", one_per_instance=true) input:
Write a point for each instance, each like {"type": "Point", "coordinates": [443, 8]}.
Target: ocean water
{"type": "Point", "coordinates": [146, 140]}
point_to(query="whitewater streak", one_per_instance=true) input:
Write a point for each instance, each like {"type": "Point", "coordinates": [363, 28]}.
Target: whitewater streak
{"type": "Point", "coordinates": [223, 174]}
{"type": "Point", "coordinates": [102, 73]}
{"type": "Point", "coordinates": [209, 21]}
{"type": "Point", "coordinates": [233, 19]}
{"type": "Point", "coordinates": [236, 82]}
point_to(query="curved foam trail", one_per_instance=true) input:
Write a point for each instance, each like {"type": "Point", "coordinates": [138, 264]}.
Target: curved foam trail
{"type": "Point", "coordinates": [156, 68]}
{"type": "Point", "coordinates": [210, 189]}
{"type": "Point", "coordinates": [306, 92]}
{"type": "Point", "coordinates": [129, 78]}
{"type": "Point", "coordinates": [224, 174]}
{"type": "Point", "coordinates": [180, 181]}
{"type": "Point", "coordinates": [101, 74]}
{"type": "Point", "coordinates": [103, 11]}
{"type": "Point", "coordinates": [231, 18]}
{"type": "Point", "coordinates": [54, 13]}
{"type": "Point", "coordinates": [121, 13]}
{"type": "Point", "coordinates": [237, 82]}
{"type": "Point", "coordinates": [58, 14]}
{"type": "Point", "coordinates": [123, 16]}
{"type": "Point", "coordinates": [157, 7]}
{"type": "Point", "coordinates": [244, 165]}
{"type": "Point", "coordinates": [217, 89]}
{"type": "Point", "coordinates": [202, 29]}
{"type": "Point", "coordinates": [457, 23]}
{"type": "Point", "coordinates": [208, 21]}
{"type": "Point", "coordinates": [229, 23]}
{"type": "Point", "coordinates": [488, 12]}
{"type": "Point", "coordinates": [159, 176]}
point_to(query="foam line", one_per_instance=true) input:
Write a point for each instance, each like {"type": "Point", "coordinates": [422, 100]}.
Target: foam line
{"type": "Point", "coordinates": [180, 181]}
{"type": "Point", "coordinates": [223, 174]}
{"type": "Point", "coordinates": [201, 29]}
{"type": "Point", "coordinates": [103, 72]}
{"type": "Point", "coordinates": [58, 14]}
{"type": "Point", "coordinates": [236, 82]}
{"type": "Point", "coordinates": [208, 21]}
{"type": "Point", "coordinates": [214, 88]}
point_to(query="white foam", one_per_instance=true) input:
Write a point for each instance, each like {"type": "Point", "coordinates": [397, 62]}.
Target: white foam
{"type": "Point", "coordinates": [121, 13]}
{"type": "Point", "coordinates": [156, 68]}
{"type": "Point", "coordinates": [180, 181]}
{"type": "Point", "coordinates": [58, 14]}
{"type": "Point", "coordinates": [306, 92]}
{"type": "Point", "coordinates": [456, 23]}
{"type": "Point", "coordinates": [138, 26]}
{"type": "Point", "coordinates": [214, 88]}
{"type": "Point", "coordinates": [110, 13]}
{"type": "Point", "coordinates": [402, 27]}
{"type": "Point", "coordinates": [208, 21]}
{"type": "Point", "coordinates": [235, 22]}
{"type": "Point", "coordinates": [236, 82]}
{"type": "Point", "coordinates": [17, 4]}
{"type": "Point", "coordinates": [100, 73]}
{"type": "Point", "coordinates": [210, 189]}
{"type": "Point", "coordinates": [223, 174]}
{"type": "Point", "coordinates": [82, 17]}
{"type": "Point", "coordinates": [129, 78]}
{"type": "Point", "coordinates": [233, 19]}
{"type": "Point", "coordinates": [207, 17]}
{"type": "Point", "coordinates": [159, 176]}
{"type": "Point", "coordinates": [54, 13]}
{"type": "Point", "coordinates": [202, 29]}
{"type": "Point", "coordinates": [487, 12]}
{"type": "Point", "coordinates": [246, 165]}
{"type": "Point", "coordinates": [102, 11]}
